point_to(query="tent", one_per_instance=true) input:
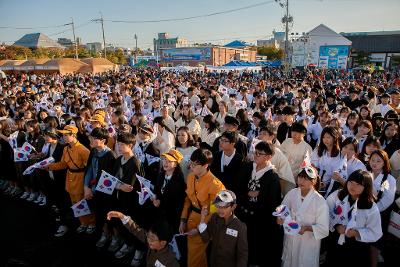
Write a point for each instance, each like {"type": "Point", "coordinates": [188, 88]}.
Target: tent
{"type": "Point", "coordinates": [98, 65]}
{"type": "Point", "coordinates": [64, 66]}
{"type": "Point", "coordinates": [30, 65]}
{"type": "Point", "coordinates": [9, 65]}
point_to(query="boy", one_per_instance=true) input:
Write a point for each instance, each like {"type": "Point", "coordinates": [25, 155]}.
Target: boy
{"type": "Point", "coordinates": [156, 238]}
{"type": "Point", "coordinates": [228, 233]}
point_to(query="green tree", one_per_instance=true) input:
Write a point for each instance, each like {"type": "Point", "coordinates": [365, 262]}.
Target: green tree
{"type": "Point", "coordinates": [271, 52]}
{"type": "Point", "coordinates": [362, 58]}
{"type": "Point", "coordinates": [14, 52]}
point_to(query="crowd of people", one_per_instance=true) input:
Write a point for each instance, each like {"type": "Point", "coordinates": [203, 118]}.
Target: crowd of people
{"type": "Point", "coordinates": [261, 168]}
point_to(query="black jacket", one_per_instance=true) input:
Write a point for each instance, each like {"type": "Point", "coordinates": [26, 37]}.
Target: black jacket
{"type": "Point", "coordinates": [283, 130]}
{"type": "Point", "coordinates": [230, 175]}
{"type": "Point", "coordinates": [106, 163]}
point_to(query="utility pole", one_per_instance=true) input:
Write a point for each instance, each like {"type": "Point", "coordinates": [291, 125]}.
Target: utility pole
{"type": "Point", "coordinates": [286, 19]}
{"type": "Point", "coordinates": [136, 50]}
{"type": "Point", "coordinates": [75, 42]}
{"type": "Point", "coordinates": [102, 28]}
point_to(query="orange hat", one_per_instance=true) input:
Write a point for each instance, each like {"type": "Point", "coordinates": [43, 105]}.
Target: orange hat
{"type": "Point", "coordinates": [173, 155]}
{"type": "Point", "coordinates": [100, 112]}
{"type": "Point", "coordinates": [69, 129]}
{"type": "Point", "coordinates": [98, 118]}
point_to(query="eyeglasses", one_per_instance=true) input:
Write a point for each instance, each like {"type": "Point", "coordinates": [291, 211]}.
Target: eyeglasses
{"type": "Point", "coordinates": [258, 154]}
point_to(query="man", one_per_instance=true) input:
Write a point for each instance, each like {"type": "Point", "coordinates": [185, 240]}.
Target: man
{"type": "Point", "coordinates": [228, 233]}
{"type": "Point", "coordinates": [284, 129]}
{"type": "Point", "coordinates": [352, 101]}
{"type": "Point", "coordinates": [227, 163]}
{"type": "Point", "coordinates": [395, 100]}
{"type": "Point", "coordinates": [202, 188]}
{"type": "Point", "coordinates": [74, 158]}
{"type": "Point", "coordinates": [232, 124]}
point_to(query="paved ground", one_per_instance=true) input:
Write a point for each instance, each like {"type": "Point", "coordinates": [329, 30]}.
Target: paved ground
{"type": "Point", "coordinates": [26, 239]}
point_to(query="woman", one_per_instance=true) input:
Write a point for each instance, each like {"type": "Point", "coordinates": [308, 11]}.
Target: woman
{"type": "Point", "coordinates": [222, 112]}
{"type": "Point", "coordinates": [170, 189]}
{"type": "Point", "coordinates": [184, 143]}
{"type": "Point", "coordinates": [310, 210]}
{"type": "Point", "coordinates": [350, 128]}
{"type": "Point", "coordinates": [370, 145]}
{"type": "Point", "coordinates": [258, 195]}
{"type": "Point", "coordinates": [165, 139]}
{"type": "Point", "coordinates": [390, 138]}
{"type": "Point", "coordinates": [209, 133]}
{"type": "Point", "coordinates": [327, 158]}
{"type": "Point", "coordinates": [245, 126]}
{"type": "Point", "coordinates": [364, 131]}
{"type": "Point", "coordinates": [365, 113]}
{"type": "Point", "coordinates": [187, 118]}
{"type": "Point", "coordinates": [354, 219]}
{"type": "Point", "coordinates": [137, 120]}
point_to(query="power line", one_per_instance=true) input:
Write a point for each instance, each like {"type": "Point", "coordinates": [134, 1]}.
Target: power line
{"type": "Point", "coordinates": [67, 30]}
{"type": "Point", "coordinates": [33, 28]}
{"type": "Point", "coordinates": [193, 17]}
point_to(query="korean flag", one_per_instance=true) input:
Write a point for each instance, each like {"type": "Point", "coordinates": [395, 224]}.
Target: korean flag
{"type": "Point", "coordinates": [81, 208]}
{"type": "Point", "coordinates": [107, 183]}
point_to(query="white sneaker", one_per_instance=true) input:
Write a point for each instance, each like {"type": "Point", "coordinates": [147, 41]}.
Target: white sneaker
{"type": "Point", "coordinates": [62, 230]}
{"type": "Point", "coordinates": [123, 251]}
{"type": "Point", "coordinates": [38, 199]}
{"type": "Point", "coordinates": [103, 240]}
{"type": "Point", "coordinates": [25, 195]}
{"type": "Point", "coordinates": [137, 259]}
{"type": "Point", "coordinates": [31, 197]}
{"type": "Point", "coordinates": [43, 202]}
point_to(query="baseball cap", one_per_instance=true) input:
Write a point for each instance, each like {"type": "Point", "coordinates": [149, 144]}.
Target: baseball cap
{"type": "Point", "coordinates": [225, 198]}
{"type": "Point", "coordinates": [69, 129]}
{"type": "Point", "coordinates": [173, 155]}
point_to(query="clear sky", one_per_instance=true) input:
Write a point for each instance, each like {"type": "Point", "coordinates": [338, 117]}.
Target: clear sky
{"type": "Point", "coordinates": [249, 24]}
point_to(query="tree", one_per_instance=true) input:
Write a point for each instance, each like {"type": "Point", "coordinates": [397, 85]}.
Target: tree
{"type": "Point", "coordinates": [271, 52]}
{"type": "Point", "coordinates": [395, 60]}
{"type": "Point", "coordinates": [362, 58]}
{"type": "Point", "coordinates": [15, 52]}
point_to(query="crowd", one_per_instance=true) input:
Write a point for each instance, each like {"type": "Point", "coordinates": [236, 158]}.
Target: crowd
{"type": "Point", "coordinates": [240, 168]}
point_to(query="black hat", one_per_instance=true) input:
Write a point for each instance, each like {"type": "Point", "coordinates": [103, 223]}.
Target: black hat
{"type": "Point", "coordinates": [288, 110]}
{"type": "Point", "coordinates": [299, 128]}
{"type": "Point", "coordinates": [288, 84]}
{"type": "Point", "coordinates": [394, 92]}
{"type": "Point", "coordinates": [376, 116]}
{"type": "Point", "coordinates": [385, 95]}
{"type": "Point", "coordinates": [231, 120]}
{"type": "Point", "coordinates": [52, 132]}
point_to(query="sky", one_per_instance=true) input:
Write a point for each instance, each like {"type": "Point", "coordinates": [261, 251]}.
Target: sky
{"type": "Point", "coordinates": [248, 24]}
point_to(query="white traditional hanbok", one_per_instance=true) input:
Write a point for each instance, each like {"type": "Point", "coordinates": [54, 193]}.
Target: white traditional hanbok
{"type": "Point", "coordinates": [387, 189]}
{"type": "Point", "coordinates": [295, 153]}
{"type": "Point", "coordinates": [303, 250]}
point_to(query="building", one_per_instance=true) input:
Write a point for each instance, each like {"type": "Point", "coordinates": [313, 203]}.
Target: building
{"type": "Point", "coordinates": [95, 47]}
{"type": "Point", "coordinates": [203, 56]}
{"type": "Point", "coordinates": [37, 40]}
{"type": "Point", "coordinates": [277, 41]}
{"type": "Point", "coordinates": [381, 46]}
{"type": "Point", "coordinates": [164, 41]}
{"type": "Point", "coordinates": [65, 42]}
{"type": "Point", "coordinates": [320, 47]}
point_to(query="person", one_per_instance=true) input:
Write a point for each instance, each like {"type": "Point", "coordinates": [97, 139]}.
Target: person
{"type": "Point", "coordinates": [350, 127]}
{"type": "Point", "coordinates": [389, 139]}
{"type": "Point", "coordinates": [314, 130]}
{"type": "Point", "coordinates": [184, 143]}
{"type": "Point", "coordinates": [328, 159]}
{"type": "Point", "coordinates": [227, 233]}
{"type": "Point", "coordinates": [187, 118]}
{"type": "Point", "coordinates": [295, 148]}
{"type": "Point", "coordinates": [284, 129]}
{"type": "Point", "coordinates": [170, 189]}
{"type": "Point", "coordinates": [156, 239]}
{"type": "Point", "coordinates": [209, 132]}
{"type": "Point", "coordinates": [101, 158]}
{"type": "Point", "coordinates": [259, 194]}
{"type": "Point", "coordinates": [350, 150]}
{"type": "Point", "coordinates": [202, 188]}
{"type": "Point", "coordinates": [370, 145]}
{"type": "Point", "coordinates": [221, 114]}
{"type": "Point", "coordinates": [361, 223]}
{"type": "Point", "coordinates": [165, 139]}
{"type": "Point", "coordinates": [310, 210]}
{"type": "Point", "coordinates": [384, 106]}
{"type": "Point", "coordinates": [74, 159]}
{"type": "Point", "coordinates": [227, 163]}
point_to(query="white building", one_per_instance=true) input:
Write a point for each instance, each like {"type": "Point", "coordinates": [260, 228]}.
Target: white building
{"type": "Point", "coordinates": [321, 47]}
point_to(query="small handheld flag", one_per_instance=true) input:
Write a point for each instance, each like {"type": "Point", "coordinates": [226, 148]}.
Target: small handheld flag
{"type": "Point", "coordinates": [81, 208]}
{"type": "Point", "coordinates": [107, 183]}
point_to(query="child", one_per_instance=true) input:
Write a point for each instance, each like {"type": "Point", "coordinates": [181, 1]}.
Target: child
{"type": "Point", "coordinates": [227, 233]}
{"type": "Point", "coordinates": [309, 209]}
{"type": "Point", "coordinates": [156, 239]}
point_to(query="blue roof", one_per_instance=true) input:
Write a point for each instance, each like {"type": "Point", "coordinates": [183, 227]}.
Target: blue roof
{"type": "Point", "coordinates": [236, 43]}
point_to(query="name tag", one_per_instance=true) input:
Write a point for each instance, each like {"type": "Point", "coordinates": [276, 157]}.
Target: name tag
{"type": "Point", "coordinates": [158, 264]}
{"type": "Point", "coordinates": [231, 232]}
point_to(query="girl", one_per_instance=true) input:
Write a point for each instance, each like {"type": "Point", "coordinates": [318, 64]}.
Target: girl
{"type": "Point", "coordinates": [222, 112]}
{"type": "Point", "coordinates": [390, 138]}
{"type": "Point", "coordinates": [137, 120]}
{"type": "Point", "coordinates": [170, 189]}
{"type": "Point", "coordinates": [310, 210]}
{"type": "Point", "coordinates": [350, 128]}
{"type": "Point", "coordinates": [371, 144]}
{"type": "Point", "coordinates": [165, 139]}
{"type": "Point", "coordinates": [82, 136]}
{"type": "Point", "coordinates": [354, 216]}
{"type": "Point", "coordinates": [184, 143]}
{"type": "Point", "coordinates": [327, 158]}
{"type": "Point", "coordinates": [364, 130]}
{"type": "Point", "coordinates": [186, 118]}
{"type": "Point", "coordinates": [365, 113]}
{"type": "Point", "coordinates": [210, 132]}
{"type": "Point", "coordinates": [349, 149]}
{"type": "Point", "coordinates": [245, 126]}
